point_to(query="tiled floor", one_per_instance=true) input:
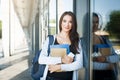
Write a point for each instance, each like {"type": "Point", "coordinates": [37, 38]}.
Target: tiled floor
{"type": "Point", "coordinates": [16, 67]}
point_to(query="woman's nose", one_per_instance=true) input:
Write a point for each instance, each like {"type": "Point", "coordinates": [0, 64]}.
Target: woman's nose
{"type": "Point", "coordinates": [67, 24]}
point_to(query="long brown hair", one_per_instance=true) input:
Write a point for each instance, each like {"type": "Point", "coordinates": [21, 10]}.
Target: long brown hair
{"type": "Point", "coordinates": [73, 34]}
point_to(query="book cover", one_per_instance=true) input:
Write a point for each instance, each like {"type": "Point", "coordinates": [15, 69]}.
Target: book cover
{"type": "Point", "coordinates": [104, 49]}
{"type": "Point", "coordinates": [65, 46]}
{"type": "Point", "coordinates": [58, 52]}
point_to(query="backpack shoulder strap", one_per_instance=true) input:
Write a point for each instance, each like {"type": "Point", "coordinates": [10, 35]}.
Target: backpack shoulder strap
{"type": "Point", "coordinates": [51, 39]}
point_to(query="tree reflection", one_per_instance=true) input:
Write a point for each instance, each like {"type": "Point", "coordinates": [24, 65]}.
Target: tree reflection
{"type": "Point", "coordinates": [113, 26]}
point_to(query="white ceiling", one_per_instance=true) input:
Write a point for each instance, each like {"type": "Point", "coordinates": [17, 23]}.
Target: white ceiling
{"type": "Point", "coordinates": [26, 11]}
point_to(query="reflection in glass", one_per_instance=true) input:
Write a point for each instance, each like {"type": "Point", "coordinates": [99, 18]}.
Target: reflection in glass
{"type": "Point", "coordinates": [109, 20]}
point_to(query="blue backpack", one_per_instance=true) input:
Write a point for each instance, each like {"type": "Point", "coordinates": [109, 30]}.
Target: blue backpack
{"type": "Point", "coordinates": [38, 69]}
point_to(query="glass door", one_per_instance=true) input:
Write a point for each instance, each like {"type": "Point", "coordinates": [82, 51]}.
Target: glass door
{"type": "Point", "coordinates": [106, 16]}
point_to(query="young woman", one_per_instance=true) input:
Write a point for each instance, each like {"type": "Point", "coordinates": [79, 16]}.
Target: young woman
{"type": "Point", "coordinates": [104, 67]}
{"type": "Point", "coordinates": [69, 65]}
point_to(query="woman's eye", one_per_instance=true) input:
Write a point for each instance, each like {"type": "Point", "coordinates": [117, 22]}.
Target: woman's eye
{"type": "Point", "coordinates": [64, 20]}
{"type": "Point", "coordinates": [70, 21]}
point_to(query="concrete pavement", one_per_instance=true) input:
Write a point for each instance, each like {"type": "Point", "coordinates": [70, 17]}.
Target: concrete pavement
{"type": "Point", "coordinates": [16, 67]}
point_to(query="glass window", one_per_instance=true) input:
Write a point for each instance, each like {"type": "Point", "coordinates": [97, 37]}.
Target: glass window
{"type": "Point", "coordinates": [108, 22]}
{"type": "Point", "coordinates": [56, 8]}
{"type": "Point", "coordinates": [109, 11]}
{"type": "Point", "coordinates": [52, 17]}
{"type": "Point", "coordinates": [63, 6]}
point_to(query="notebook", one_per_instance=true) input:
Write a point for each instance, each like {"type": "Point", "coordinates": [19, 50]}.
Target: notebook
{"type": "Point", "coordinates": [104, 49]}
{"type": "Point", "coordinates": [61, 46]}
{"type": "Point", "coordinates": [58, 52]}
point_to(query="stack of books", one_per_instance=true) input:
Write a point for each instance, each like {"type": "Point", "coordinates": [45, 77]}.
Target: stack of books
{"type": "Point", "coordinates": [59, 50]}
{"type": "Point", "coordinates": [104, 49]}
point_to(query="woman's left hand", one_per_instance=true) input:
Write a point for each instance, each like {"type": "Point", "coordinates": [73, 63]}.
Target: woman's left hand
{"type": "Point", "coordinates": [67, 59]}
{"type": "Point", "coordinates": [100, 59]}
{"type": "Point", "coordinates": [53, 68]}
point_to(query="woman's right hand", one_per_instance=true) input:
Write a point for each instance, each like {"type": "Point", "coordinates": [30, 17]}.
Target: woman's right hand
{"type": "Point", "coordinates": [67, 59]}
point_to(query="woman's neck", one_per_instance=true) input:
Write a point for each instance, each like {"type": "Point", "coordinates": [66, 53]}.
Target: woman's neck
{"type": "Point", "coordinates": [63, 38]}
{"type": "Point", "coordinates": [64, 34]}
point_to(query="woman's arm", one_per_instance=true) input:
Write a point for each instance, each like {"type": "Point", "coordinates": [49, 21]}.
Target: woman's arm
{"type": "Point", "coordinates": [44, 59]}
{"type": "Point", "coordinates": [78, 63]}
{"type": "Point", "coordinates": [112, 58]}
{"type": "Point", "coordinates": [67, 67]}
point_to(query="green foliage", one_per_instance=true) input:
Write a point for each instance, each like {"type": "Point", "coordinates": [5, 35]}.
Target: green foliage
{"type": "Point", "coordinates": [52, 30]}
{"type": "Point", "coordinates": [113, 26]}
{"type": "Point", "coordinates": [52, 21]}
{"type": "Point", "coordinates": [0, 24]}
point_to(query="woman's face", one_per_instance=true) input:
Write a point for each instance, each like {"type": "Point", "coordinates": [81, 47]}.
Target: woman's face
{"type": "Point", "coordinates": [95, 23]}
{"type": "Point", "coordinates": [66, 23]}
